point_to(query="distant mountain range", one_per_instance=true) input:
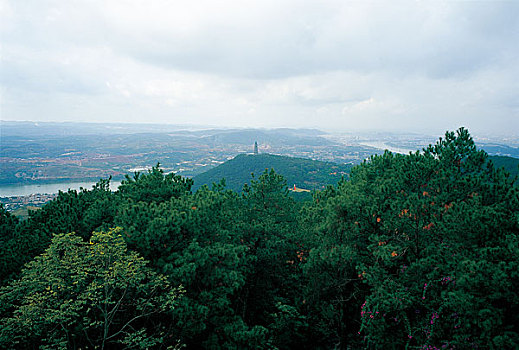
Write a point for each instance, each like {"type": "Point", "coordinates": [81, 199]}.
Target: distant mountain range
{"type": "Point", "coordinates": [304, 173]}
{"type": "Point", "coordinates": [275, 137]}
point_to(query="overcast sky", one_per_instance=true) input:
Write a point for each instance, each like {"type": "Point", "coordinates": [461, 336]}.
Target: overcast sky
{"type": "Point", "coordinates": [424, 66]}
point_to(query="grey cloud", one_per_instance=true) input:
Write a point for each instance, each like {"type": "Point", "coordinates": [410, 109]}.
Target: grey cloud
{"type": "Point", "coordinates": [288, 38]}
{"type": "Point", "coordinates": [330, 64]}
{"type": "Point", "coordinates": [401, 38]}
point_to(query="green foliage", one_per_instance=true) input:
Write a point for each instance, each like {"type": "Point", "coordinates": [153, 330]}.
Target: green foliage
{"type": "Point", "coordinates": [433, 237]}
{"type": "Point", "coordinates": [154, 186]}
{"type": "Point", "coordinates": [225, 251]}
{"type": "Point", "coordinates": [269, 227]}
{"type": "Point", "coordinates": [8, 224]}
{"type": "Point", "coordinates": [85, 294]}
{"type": "Point", "coordinates": [81, 212]}
{"type": "Point", "coordinates": [305, 173]}
{"type": "Point", "coordinates": [416, 251]}
{"type": "Point", "coordinates": [510, 164]}
{"type": "Point", "coordinates": [212, 274]}
{"type": "Point", "coordinates": [74, 211]}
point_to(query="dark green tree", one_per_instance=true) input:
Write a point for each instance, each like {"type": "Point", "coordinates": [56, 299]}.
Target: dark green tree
{"type": "Point", "coordinates": [433, 236]}
{"type": "Point", "coordinates": [194, 239]}
{"type": "Point", "coordinates": [333, 290]}
{"type": "Point", "coordinates": [8, 249]}
{"type": "Point", "coordinates": [269, 226]}
{"type": "Point", "coordinates": [154, 186]}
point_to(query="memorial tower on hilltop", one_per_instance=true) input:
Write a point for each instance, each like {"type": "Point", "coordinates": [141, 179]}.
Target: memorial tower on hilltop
{"type": "Point", "coordinates": [255, 147]}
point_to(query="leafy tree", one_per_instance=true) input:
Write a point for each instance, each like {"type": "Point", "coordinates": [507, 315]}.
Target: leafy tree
{"type": "Point", "coordinates": [74, 211]}
{"type": "Point", "coordinates": [86, 294]}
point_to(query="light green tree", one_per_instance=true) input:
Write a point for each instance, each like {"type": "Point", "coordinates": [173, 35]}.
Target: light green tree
{"type": "Point", "coordinates": [79, 294]}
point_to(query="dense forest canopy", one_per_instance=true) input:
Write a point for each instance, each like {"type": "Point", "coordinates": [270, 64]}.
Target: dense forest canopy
{"type": "Point", "coordinates": [411, 251]}
{"type": "Point", "coordinates": [305, 173]}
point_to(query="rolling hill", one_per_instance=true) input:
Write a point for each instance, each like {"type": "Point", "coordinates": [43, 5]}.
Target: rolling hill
{"type": "Point", "coordinates": [304, 173]}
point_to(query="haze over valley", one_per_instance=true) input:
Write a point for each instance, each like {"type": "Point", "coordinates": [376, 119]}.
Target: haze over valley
{"type": "Point", "coordinates": [40, 153]}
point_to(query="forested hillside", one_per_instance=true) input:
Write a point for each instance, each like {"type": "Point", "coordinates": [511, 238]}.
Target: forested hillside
{"type": "Point", "coordinates": [510, 164]}
{"type": "Point", "coordinates": [417, 251]}
{"type": "Point", "coordinates": [305, 173]}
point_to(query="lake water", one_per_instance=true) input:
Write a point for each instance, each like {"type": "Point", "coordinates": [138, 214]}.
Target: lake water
{"type": "Point", "coordinates": [25, 190]}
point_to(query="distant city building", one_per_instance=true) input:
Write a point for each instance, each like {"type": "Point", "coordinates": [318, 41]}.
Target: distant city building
{"type": "Point", "coordinates": [255, 147]}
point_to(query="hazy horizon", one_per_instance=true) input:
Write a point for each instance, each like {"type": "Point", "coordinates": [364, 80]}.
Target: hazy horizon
{"type": "Point", "coordinates": [510, 136]}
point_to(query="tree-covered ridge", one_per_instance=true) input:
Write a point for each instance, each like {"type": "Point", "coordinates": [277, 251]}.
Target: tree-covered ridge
{"type": "Point", "coordinates": [510, 164]}
{"type": "Point", "coordinates": [411, 251]}
{"type": "Point", "coordinates": [305, 173]}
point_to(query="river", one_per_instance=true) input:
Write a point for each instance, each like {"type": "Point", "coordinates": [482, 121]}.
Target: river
{"type": "Point", "coordinates": [383, 146]}
{"type": "Point", "coordinates": [25, 190]}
